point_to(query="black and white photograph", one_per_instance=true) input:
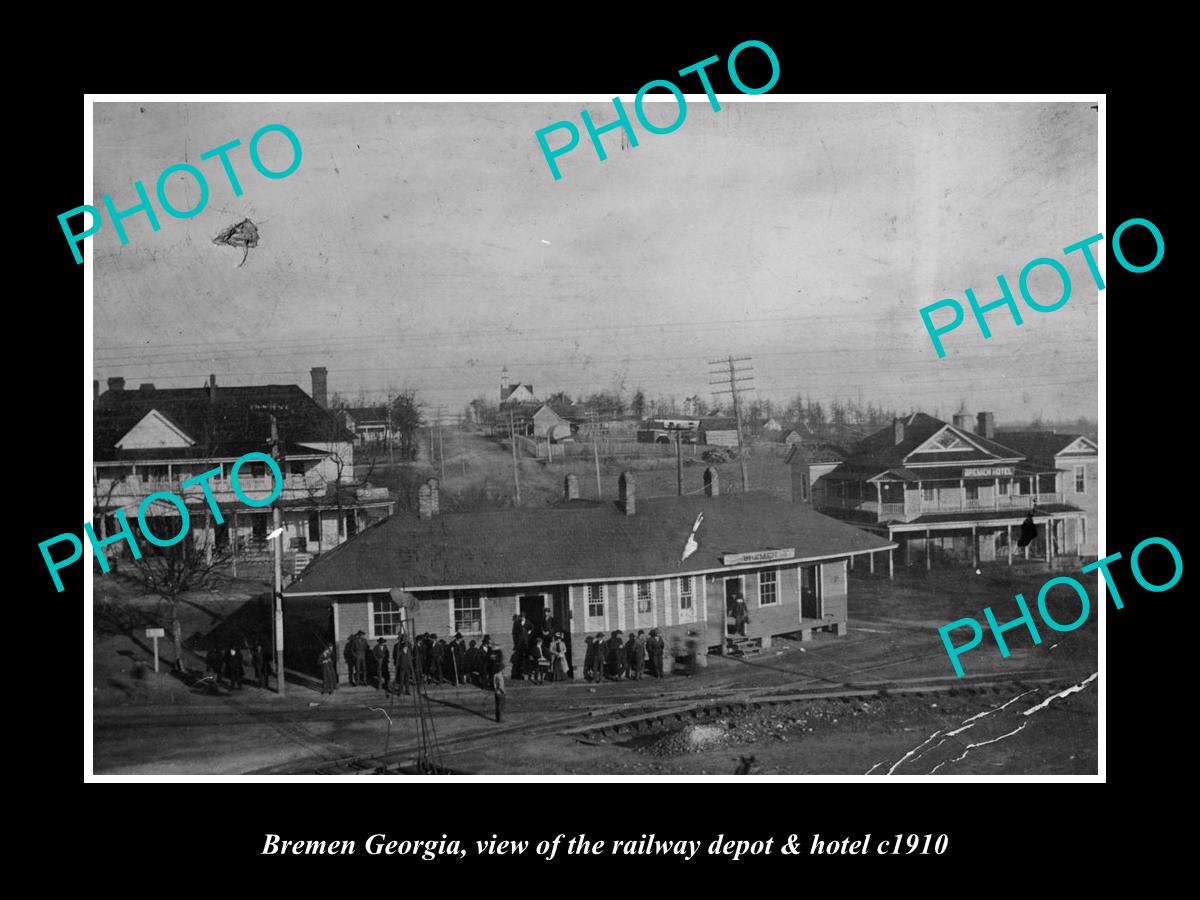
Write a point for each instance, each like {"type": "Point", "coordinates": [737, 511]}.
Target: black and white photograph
{"type": "Point", "coordinates": [524, 437]}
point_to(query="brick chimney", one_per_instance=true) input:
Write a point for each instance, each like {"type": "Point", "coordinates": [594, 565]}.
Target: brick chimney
{"type": "Point", "coordinates": [897, 431]}
{"type": "Point", "coordinates": [212, 388]}
{"type": "Point", "coordinates": [320, 378]}
{"type": "Point", "coordinates": [963, 421]}
{"type": "Point", "coordinates": [712, 482]}
{"type": "Point", "coordinates": [116, 384]}
{"type": "Point", "coordinates": [985, 425]}
{"type": "Point", "coordinates": [627, 490]}
{"type": "Point", "coordinates": [146, 386]}
{"type": "Point", "coordinates": [427, 499]}
{"type": "Point", "coordinates": [571, 487]}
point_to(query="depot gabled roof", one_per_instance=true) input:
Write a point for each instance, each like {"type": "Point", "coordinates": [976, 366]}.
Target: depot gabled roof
{"type": "Point", "coordinates": [574, 542]}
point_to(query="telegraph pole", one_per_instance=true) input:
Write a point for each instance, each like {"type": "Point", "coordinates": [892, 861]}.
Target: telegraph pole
{"type": "Point", "coordinates": [596, 451]}
{"type": "Point", "coordinates": [728, 364]}
{"type": "Point", "coordinates": [678, 463]}
{"type": "Point", "coordinates": [441, 446]}
{"type": "Point", "coordinates": [512, 437]}
{"type": "Point", "coordinates": [277, 526]}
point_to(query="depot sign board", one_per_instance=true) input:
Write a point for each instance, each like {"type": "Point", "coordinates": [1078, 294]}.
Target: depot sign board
{"type": "Point", "coordinates": [757, 556]}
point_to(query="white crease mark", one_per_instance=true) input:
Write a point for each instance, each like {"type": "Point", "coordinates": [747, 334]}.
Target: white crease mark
{"type": "Point", "coordinates": [1070, 690]}
{"type": "Point", "coordinates": [913, 750]}
{"type": "Point", "coordinates": [971, 747]}
{"type": "Point", "coordinates": [873, 768]}
{"type": "Point", "coordinates": [933, 750]}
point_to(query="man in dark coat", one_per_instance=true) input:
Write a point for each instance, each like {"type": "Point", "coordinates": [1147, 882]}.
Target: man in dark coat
{"type": "Point", "coordinates": [498, 691]}
{"type": "Point", "coordinates": [437, 657]}
{"type": "Point", "coordinates": [328, 675]}
{"type": "Point", "coordinates": [589, 657]}
{"type": "Point", "coordinates": [381, 663]}
{"type": "Point", "coordinates": [740, 615]}
{"type": "Point", "coordinates": [234, 668]}
{"type": "Point", "coordinates": [629, 672]}
{"type": "Point", "coordinates": [655, 646]}
{"type": "Point", "coordinates": [520, 636]}
{"type": "Point", "coordinates": [402, 657]}
{"type": "Point", "coordinates": [471, 663]}
{"type": "Point", "coordinates": [360, 657]}
{"type": "Point", "coordinates": [458, 655]}
{"type": "Point", "coordinates": [259, 663]}
{"type": "Point", "coordinates": [616, 656]}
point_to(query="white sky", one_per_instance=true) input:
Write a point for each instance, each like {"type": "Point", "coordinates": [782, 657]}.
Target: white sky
{"type": "Point", "coordinates": [410, 248]}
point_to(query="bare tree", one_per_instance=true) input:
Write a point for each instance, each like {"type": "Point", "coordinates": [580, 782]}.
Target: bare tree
{"type": "Point", "coordinates": [170, 572]}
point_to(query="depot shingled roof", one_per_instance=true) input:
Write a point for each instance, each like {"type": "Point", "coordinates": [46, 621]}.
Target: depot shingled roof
{"type": "Point", "coordinates": [576, 541]}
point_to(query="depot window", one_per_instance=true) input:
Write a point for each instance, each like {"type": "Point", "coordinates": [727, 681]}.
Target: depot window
{"type": "Point", "coordinates": [768, 584]}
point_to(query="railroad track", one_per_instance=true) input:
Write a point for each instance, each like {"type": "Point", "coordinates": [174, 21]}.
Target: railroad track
{"type": "Point", "coordinates": [671, 709]}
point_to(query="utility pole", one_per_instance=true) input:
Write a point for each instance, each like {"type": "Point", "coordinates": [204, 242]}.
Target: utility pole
{"type": "Point", "coordinates": [732, 380]}
{"type": "Point", "coordinates": [512, 437]}
{"type": "Point", "coordinates": [678, 464]}
{"type": "Point", "coordinates": [596, 451]}
{"type": "Point", "coordinates": [441, 446]}
{"type": "Point", "coordinates": [277, 526]}
{"type": "Point", "coordinates": [390, 437]}
{"type": "Point", "coordinates": [462, 452]}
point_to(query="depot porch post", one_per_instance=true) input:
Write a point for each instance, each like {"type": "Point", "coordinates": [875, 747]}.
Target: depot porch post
{"type": "Point", "coordinates": [928, 559]}
{"type": "Point", "coordinates": [1008, 535]}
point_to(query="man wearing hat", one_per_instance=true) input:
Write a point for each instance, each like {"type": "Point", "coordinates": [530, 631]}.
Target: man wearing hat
{"type": "Point", "coordinates": [381, 663]}
{"type": "Point", "coordinates": [356, 659]}
{"type": "Point", "coordinates": [655, 646]}
{"type": "Point", "coordinates": [402, 657]}
{"type": "Point", "coordinates": [498, 691]}
{"type": "Point", "coordinates": [616, 655]}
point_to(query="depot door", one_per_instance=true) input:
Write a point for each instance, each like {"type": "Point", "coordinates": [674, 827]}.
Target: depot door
{"type": "Point", "coordinates": [810, 592]}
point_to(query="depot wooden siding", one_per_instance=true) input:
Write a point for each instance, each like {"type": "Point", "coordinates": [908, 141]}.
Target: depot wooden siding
{"type": "Point", "coordinates": [705, 620]}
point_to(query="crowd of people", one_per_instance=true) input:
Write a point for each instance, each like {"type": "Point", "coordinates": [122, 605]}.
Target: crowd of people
{"type": "Point", "coordinates": [226, 664]}
{"type": "Point", "coordinates": [540, 654]}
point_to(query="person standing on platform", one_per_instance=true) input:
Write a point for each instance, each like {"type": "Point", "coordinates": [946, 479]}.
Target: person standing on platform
{"type": "Point", "coordinates": [520, 636]}
{"type": "Point", "coordinates": [656, 645]}
{"type": "Point", "coordinates": [498, 691]}
{"type": "Point", "coordinates": [639, 656]}
{"type": "Point", "coordinates": [328, 677]}
{"type": "Point", "coordinates": [402, 657]}
{"type": "Point", "coordinates": [741, 617]}
{"type": "Point", "coordinates": [234, 668]}
{"type": "Point", "coordinates": [558, 658]}
{"type": "Point", "coordinates": [360, 657]}
{"type": "Point", "coordinates": [381, 663]}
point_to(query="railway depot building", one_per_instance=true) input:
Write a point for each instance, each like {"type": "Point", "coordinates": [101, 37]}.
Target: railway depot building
{"type": "Point", "coordinates": [597, 566]}
{"type": "Point", "coordinates": [949, 493]}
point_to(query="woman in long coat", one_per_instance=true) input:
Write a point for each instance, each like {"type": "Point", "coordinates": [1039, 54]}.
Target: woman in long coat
{"type": "Point", "coordinates": [558, 658]}
{"type": "Point", "coordinates": [537, 662]}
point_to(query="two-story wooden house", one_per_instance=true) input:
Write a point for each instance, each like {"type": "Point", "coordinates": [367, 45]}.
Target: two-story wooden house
{"type": "Point", "coordinates": [947, 492]}
{"type": "Point", "coordinates": [151, 440]}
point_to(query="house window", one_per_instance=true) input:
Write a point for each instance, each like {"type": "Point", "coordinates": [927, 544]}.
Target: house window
{"type": "Point", "coordinates": [259, 529]}
{"type": "Point", "coordinates": [1023, 486]}
{"type": "Point", "coordinates": [1080, 480]}
{"type": "Point", "coordinates": [352, 523]}
{"type": "Point", "coordinates": [767, 587]}
{"type": "Point", "coordinates": [685, 593]}
{"type": "Point", "coordinates": [314, 526]}
{"type": "Point", "coordinates": [930, 494]}
{"type": "Point", "coordinates": [643, 597]}
{"type": "Point", "coordinates": [387, 616]}
{"type": "Point", "coordinates": [804, 486]}
{"type": "Point", "coordinates": [468, 612]}
{"type": "Point", "coordinates": [341, 525]}
{"type": "Point", "coordinates": [972, 490]}
{"type": "Point", "coordinates": [296, 467]}
{"type": "Point", "coordinates": [595, 601]}
{"type": "Point", "coordinates": [1003, 488]}
{"type": "Point", "coordinates": [153, 473]}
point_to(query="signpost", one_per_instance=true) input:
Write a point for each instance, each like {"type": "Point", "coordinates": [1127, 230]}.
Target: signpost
{"type": "Point", "coordinates": [734, 559]}
{"type": "Point", "coordinates": [156, 633]}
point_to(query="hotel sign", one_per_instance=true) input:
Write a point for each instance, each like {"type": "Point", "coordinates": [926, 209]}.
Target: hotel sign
{"type": "Point", "coordinates": [736, 559]}
{"type": "Point", "coordinates": [988, 472]}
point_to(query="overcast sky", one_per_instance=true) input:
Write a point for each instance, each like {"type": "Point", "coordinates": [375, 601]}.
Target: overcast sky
{"type": "Point", "coordinates": [428, 245]}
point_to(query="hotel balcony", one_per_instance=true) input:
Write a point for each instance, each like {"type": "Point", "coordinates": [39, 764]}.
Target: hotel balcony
{"type": "Point", "coordinates": [915, 505]}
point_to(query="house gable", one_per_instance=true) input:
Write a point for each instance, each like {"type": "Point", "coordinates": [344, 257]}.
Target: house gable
{"type": "Point", "coordinates": [1079, 448]}
{"type": "Point", "coordinates": [154, 430]}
